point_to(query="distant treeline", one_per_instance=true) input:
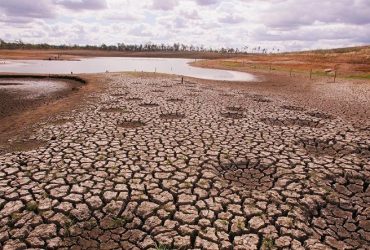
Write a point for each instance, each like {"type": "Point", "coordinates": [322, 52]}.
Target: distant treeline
{"type": "Point", "coordinates": [176, 47]}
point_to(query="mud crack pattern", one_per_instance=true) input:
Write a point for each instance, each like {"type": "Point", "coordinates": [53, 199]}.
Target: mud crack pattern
{"type": "Point", "coordinates": [150, 165]}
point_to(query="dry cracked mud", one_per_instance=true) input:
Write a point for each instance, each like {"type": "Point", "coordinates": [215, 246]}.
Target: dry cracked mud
{"type": "Point", "coordinates": [230, 171]}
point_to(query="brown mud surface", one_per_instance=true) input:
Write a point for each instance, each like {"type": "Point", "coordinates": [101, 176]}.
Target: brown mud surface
{"type": "Point", "coordinates": [18, 113]}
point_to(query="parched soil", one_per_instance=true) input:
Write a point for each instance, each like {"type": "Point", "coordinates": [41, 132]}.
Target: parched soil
{"type": "Point", "coordinates": [184, 176]}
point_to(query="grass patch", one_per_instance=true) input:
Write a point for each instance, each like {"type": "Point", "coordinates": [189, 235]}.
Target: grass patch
{"type": "Point", "coordinates": [363, 76]}
{"type": "Point", "coordinates": [101, 158]}
{"type": "Point", "coordinates": [240, 224]}
{"type": "Point", "coordinates": [224, 222]}
{"type": "Point", "coordinates": [32, 206]}
{"type": "Point", "coordinates": [162, 247]}
{"type": "Point", "coordinates": [118, 221]}
{"type": "Point", "coordinates": [68, 225]}
{"type": "Point", "coordinates": [231, 64]}
{"type": "Point", "coordinates": [14, 217]}
{"type": "Point", "coordinates": [268, 243]}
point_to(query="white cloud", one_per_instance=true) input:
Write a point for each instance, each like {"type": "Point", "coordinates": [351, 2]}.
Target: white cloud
{"type": "Point", "coordinates": [285, 24]}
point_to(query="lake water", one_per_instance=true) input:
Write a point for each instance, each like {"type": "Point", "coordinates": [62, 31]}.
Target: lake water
{"type": "Point", "coordinates": [120, 64]}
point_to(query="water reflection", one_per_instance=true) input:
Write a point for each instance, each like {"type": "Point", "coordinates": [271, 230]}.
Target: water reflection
{"type": "Point", "coordinates": [119, 64]}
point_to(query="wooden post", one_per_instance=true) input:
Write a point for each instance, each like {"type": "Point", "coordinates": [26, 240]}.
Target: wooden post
{"type": "Point", "coordinates": [335, 75]}
{"type": "Point", "coordinates": [311, 74]}
{"type": "Point", "coordinates": [182, 80]}
{"type": "Point", "coordinates": [291, 72]}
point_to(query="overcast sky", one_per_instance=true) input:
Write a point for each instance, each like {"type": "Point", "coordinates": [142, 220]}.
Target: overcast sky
{"type": "Point", "coordinates": [283, 24]}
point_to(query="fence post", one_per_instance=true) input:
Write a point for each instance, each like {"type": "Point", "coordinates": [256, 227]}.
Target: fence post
{"type": "Point", "coordinates": [335, 75]}
{"type": "Point", "coordinates": [311, 74]}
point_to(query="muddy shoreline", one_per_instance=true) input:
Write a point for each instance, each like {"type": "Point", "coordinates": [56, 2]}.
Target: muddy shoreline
{"type": "Point", "coordinates": [19, 113]}
{"type": "Point", "coordinates": [15, 100]}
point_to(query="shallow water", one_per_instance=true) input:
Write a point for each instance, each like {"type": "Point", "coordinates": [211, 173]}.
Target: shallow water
{"type": "Point", "coordinates": [119, 64]}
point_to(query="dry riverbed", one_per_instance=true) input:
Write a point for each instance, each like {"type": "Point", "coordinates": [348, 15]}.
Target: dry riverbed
{"type": "Point", "coordinates": [145, 162]}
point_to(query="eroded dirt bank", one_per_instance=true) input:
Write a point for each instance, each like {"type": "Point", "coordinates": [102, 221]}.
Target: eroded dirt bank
{"type": "Point", "coordinates": [149, 163]}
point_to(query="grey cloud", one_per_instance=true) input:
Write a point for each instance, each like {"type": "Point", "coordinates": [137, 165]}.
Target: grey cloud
{"type": "Point", "coordinates": [316, 33]}
{"type": "Point", "coordinates": [14, 20]}
{"type": "Point", "coordinates": [180, 23]}
{"type": "Point", "coordinates": [82, 4]}
{"type": "Point", "coordinates": [140, 31]}
{"type": "Point", "coordinates": [280, 23]}
{"type": "Point", "coordinates": [231, 19]}
{"type": "Point", "coordinates": [206, 2]}
{"type": "Point", "coordinates": [28, 9]}
{"type": "Point", "coordinates": [173, 24]}
{"type": "Point", "coordinates": [164, 4]}
{"type": "Point", "coordinates": [292, 13]}
{"type": "Point", "coordinates": [126, 16]}
{"type": "Point", "coordinates": [190, 14]}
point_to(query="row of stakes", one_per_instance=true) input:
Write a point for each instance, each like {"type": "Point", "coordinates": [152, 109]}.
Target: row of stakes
{"type": "Point", "coordinates": [328, 71]}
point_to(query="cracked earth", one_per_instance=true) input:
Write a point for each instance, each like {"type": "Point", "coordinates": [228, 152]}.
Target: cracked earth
{"type": "Point", "coordinates": [155, 164]}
